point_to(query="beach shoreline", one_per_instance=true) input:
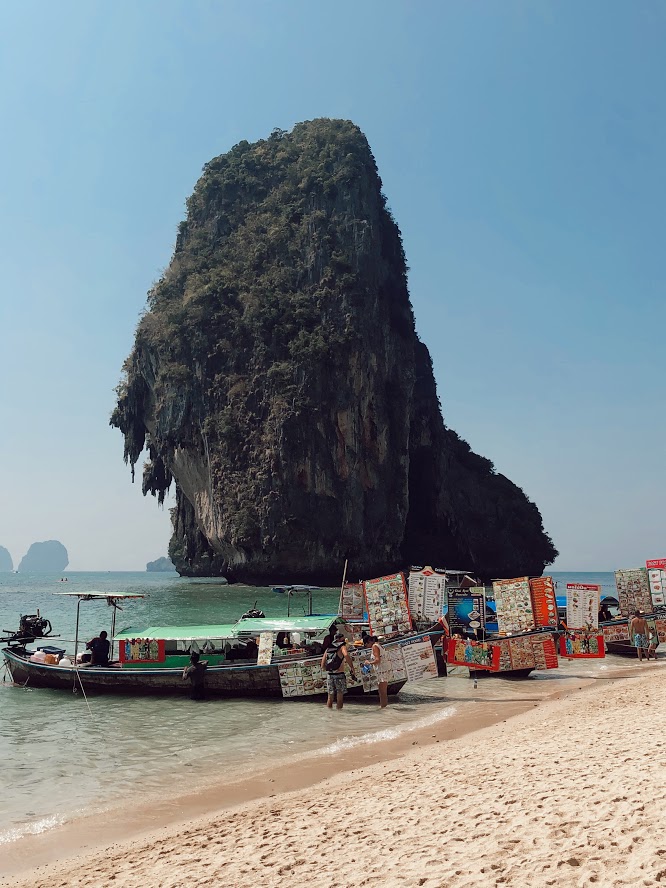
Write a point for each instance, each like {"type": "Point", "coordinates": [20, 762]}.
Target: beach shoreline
{"type": "Point", "coordinates": [94, 842]}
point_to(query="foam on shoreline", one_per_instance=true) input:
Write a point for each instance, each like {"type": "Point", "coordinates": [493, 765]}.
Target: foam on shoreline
{"type": "Point", "coordinates": [385, 759]}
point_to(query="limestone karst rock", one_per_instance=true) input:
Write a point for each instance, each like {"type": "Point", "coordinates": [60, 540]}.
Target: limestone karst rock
{"type": "Point", "coordinates": [6, 563]}
{"type": "Point", "coordinates": [160, 565]}
{"type": "Point", "coordinates": [278, 379]}
{"type": "Point", "coordinates": [47, 557]}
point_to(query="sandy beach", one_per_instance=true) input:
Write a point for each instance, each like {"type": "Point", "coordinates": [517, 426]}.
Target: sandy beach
{"type": "Point", "coordinates": [569, 791]}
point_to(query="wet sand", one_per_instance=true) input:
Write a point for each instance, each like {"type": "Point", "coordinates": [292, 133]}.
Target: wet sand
{"type": "Point", "coordinates": [563, 785]}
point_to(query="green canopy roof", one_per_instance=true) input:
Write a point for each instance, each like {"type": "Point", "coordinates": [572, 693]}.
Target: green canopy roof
{"type": "Point", "coordinates": [287, 624]}
{"type": "Point", "coordinates": [178, 633]}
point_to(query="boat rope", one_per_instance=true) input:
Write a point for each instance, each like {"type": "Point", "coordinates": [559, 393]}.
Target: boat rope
{"type": "Point", "coordinates": [83, 691]}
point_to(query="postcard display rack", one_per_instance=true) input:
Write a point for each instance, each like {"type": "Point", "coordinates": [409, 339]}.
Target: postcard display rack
{"type": "Point", "coordinates": [386, 604]}
{"type": "Point", "coordinates": [633, 591]}
{"type": "Point", "coordinates": [513, 601]}
{"type": "Point", "coordinates": [352, 602]}
{"type": "Point", "coordinates": [388, 612]}
{"type": "Point", "coordinates": [426, 594]}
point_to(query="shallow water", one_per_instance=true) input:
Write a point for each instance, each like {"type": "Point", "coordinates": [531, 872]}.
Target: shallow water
{"type": "Point", "coordinates": [62, 756]}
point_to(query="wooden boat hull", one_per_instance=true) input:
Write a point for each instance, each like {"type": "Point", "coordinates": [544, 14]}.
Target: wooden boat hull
{"type": "Point", "coordinates": [507, 673]}
{"type": "Point", "coordinates": [622, 648]}
{"type": "Point", "coordinates": [221, 681]}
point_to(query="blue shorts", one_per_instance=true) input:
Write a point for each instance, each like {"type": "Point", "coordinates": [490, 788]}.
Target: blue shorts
{"type": "Point", "coordinates": [640, 641]}
{"type": "Point", "coordinates": [337, 683]}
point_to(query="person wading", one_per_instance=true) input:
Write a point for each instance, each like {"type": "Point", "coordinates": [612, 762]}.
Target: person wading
{"type": "Point", "coordinates": [382, 667]}
{"type": "Point", "coordinates": [333, 662]}
{"type": "Point", "coordinates": [196, 673]}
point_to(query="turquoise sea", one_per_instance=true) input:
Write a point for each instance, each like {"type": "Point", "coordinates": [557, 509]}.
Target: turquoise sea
{"type": "Point", "coordinates": [62, 756]}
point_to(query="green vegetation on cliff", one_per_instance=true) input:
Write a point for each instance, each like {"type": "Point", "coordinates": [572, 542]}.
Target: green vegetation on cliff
{"type": "Point", "coordinates": [277, 376]}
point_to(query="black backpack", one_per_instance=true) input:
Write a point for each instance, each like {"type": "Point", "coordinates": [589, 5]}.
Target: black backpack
{"type": "Point", "coordinates": [333, 658]}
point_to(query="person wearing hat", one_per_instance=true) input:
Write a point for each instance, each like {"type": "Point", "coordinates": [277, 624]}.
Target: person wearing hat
{"type": "Point", "coordinates": [333, 662]}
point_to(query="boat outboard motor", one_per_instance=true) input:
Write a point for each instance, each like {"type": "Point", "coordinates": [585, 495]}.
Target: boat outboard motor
{"type": "Point", "coordinates": [254, 614]}
{"type": "Point", "coordinates": [31, 627]}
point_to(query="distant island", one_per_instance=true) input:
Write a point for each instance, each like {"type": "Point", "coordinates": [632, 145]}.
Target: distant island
{"type": "Point", "coordinates": [161, 564]}
{"type": "Point", "coordinates": [6, 563]}
{"type": "Point", "coordinates": [47, 557]}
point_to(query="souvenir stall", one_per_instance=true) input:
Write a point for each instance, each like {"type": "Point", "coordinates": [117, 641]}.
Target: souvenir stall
{"type": "Point", "coordinates": [582, 638]}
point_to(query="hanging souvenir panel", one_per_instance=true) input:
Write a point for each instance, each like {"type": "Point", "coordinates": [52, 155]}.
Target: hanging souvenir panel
{"type": "Point", "coordinates": [514, 605]}
{"type": "Point", "coordinates": [633, 591]}
{"type": "Point", "coordinates": [386, 603]}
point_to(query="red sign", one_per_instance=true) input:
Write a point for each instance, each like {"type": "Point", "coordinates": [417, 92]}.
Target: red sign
{"type": "Point", "coordinates": [656, 563]}
{"type": "Point", "coordinates": [544, 605]}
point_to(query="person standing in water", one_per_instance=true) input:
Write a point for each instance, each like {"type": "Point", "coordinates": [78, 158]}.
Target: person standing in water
{"type": "Point", "coordinates": [196, 673]}
{"type": "Point", "coordinates": [333, 663]}
{"type": "Point", "coordinates": [379, 660]}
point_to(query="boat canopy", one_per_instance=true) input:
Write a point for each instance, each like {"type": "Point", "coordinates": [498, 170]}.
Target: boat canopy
{"type": "Point", "coordinates": [179, 633]}
{"type": "Point", "coordinates": [101, 596]}
{"type": "Point", "coordinates": [315, 623]}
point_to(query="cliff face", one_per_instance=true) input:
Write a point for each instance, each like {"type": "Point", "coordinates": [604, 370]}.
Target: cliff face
{"type": "Point", "coordinates": [278, 378]}
{"type": "Point", "coordinates": [6, 562]}
{"type": "Point", "coordinates": [47, 557]}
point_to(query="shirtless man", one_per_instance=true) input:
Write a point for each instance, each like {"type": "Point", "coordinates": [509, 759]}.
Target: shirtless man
{"type": "Point", "coordinates": [638, 630]}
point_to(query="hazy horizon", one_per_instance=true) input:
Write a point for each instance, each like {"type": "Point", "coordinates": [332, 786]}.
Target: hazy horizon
{"type": "Point", "coordinates": [520, 148]}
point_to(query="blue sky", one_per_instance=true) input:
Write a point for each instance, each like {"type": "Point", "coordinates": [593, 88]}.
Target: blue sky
{"type": "Point", "coordinates": [521, 148]}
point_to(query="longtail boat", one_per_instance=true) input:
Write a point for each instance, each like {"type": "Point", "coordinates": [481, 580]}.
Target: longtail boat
{"type": "Point", "coordinates": [151, 660]}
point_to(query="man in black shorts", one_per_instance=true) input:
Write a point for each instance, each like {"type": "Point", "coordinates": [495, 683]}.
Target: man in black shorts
{"type": "Point", "coordinates": [333, 662]}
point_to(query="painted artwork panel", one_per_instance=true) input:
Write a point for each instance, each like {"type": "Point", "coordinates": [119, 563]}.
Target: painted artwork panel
{"type": "Point", "coordinates": [386, 604]}
{"type": "Point", "coordinates": [582, 645]}
{"type": "Point", "coordinates": [513, 603]}
{"type": "Point", "coordinates": [544, 604]}
{"type": "Point", "coordinates": [141, 650]}
{"type": "Point", "coordinates": [633, 591]}
{"type": "Point", "coordinates": [475, 654]}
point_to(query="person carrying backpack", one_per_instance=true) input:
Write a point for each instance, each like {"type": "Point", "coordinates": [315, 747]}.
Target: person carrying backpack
{"type": "Point", "coordinates": [333, 663]}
